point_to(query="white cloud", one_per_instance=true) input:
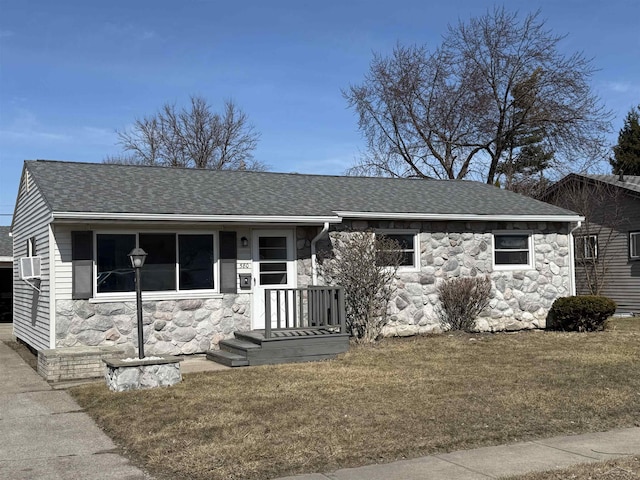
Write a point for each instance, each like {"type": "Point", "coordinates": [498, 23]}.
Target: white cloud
{"type": "Point", "coordinates": [6, 33]}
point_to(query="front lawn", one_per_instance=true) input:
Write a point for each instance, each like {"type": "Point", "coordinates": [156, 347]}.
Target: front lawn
{"type": "Point", "coordinates": [402, 398]}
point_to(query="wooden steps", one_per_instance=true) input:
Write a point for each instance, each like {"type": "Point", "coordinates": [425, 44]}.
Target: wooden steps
{"type": "Point", "coordinates": [303, 345]}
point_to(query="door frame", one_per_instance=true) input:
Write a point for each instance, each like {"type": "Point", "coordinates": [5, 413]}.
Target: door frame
{"type": "Point", "coordinates": [257, 301]}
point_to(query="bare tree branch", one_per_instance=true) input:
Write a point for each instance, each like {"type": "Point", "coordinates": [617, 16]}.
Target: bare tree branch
{"type": "Point", "coordinates": [494, 85]}
{"type": "Point", "coordinates": [194, 137]}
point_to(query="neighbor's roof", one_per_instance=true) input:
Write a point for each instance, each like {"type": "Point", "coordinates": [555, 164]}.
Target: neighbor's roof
{"type": "Point", "coordinates": [6, 243]}
{"type": "Point", "coordinates": [95, 190]}
{"type": "Point", "coordinates": [629, 182]}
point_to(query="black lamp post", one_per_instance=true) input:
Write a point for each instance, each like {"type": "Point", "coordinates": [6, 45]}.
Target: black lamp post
{"type": "Point", "coordinates": [138, 256]}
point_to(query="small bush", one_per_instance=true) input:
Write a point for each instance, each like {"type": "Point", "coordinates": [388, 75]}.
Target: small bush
{"type": "Point", "coordinates": [365, 265]}
{"type": "Point", "coordinates": [582, 313]}
{"type": "Point", "coordinates": [462, 300]}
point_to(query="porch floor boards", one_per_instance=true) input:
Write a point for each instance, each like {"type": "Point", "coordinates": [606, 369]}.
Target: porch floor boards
{"type": "Point", "coordinates": [284, 346]}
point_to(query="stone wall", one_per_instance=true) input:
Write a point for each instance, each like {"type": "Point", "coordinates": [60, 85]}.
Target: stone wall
{"type": "Point", "coordinates": [123, 375]}
{"type": "Point", "coordinates": [520, 298]}
{"type": "Point", "coordinates": [172, 327]}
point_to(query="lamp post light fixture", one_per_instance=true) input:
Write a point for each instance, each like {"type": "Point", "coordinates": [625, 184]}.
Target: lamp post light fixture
{"type": "Point", "coordinates": [137, 257]}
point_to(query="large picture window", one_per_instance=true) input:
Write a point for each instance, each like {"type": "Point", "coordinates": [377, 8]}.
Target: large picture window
{"type": "Point", "coordinates": [114, 270]}
{"type": "Point", "coordinates": [196, 262]}
{"type": "Point", "coordinates": [159, 272]}
{"type": "Point", "coordinates": [174, 262]}
{"type": "Point", "coordinates": [512, 250]}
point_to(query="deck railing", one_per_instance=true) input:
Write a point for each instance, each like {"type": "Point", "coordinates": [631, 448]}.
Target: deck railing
{"type": "Point", "coordinates": [304, 308]}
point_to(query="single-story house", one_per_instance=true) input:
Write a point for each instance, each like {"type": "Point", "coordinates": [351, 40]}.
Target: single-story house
{"type": "Point", "coordinates": [607, 246]}
{"type": "Point", "coordinates": [217, 239]}
{"type": "Point", "coordinates": [6, 274]}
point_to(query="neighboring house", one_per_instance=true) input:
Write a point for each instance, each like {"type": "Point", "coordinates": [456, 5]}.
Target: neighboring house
{"type": "Point", "coordinates": [6, 275]}
{"type": "Point", "coordinates": [217, 239]}
{"type": "Point", "coordinates": [607, 246]}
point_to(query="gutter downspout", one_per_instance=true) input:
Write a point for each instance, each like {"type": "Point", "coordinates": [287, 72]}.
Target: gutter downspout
{"type": "Point", "coordinates": [572, 260]}
{"type": "Point", "coordinates": [314, 260]}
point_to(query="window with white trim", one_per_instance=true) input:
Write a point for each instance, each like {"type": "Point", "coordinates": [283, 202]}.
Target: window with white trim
{"type": "Point", "coordinates": [175, 262]}
{"type": "Point", "coordinates": [634, 245]}
{"type": "Point", "coordinates": [586, 247]}
{"type": "Point", "coordinates": [31, 247]}
{"type": "Point", "coordinates": [408, 241]}
{"type": "Point", "coordinates": [512, 250]}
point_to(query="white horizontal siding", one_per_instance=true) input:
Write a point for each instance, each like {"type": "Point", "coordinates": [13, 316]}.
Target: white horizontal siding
{"type": "Point", "coordinates": [62, 250]}
{"type": "Point", "coordinates": [30, 307]}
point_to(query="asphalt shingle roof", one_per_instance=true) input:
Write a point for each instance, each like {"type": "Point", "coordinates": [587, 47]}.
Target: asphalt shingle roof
{"type": "Point", "coordinates": [630, 182]}
{"type": "Point", "coordinates": [108, 188]}
{"type": "Point", "coordinates": [6, 242]}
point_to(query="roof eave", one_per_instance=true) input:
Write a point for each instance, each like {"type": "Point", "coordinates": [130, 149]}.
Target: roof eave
{"type": "Point", "coordinates": [171, 217]}
{"type": "Point", "coordinates": [461, 217]}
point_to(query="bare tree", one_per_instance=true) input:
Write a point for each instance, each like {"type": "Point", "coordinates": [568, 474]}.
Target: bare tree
{"type": "Point", "coordinates": [494, 86]}
{"type": "Point", "coordinates": [365, 265]}
{"type": "Point", "coordinates": [194, 137]}
{"type": "Point", "coordinates": [603, 207]}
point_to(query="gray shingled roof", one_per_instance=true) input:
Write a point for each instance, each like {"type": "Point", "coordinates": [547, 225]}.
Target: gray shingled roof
{"type": "Point", "coordinates": [107, 188]}
{"type": "Point", "coordinates": [630, 182]}
{"type": "Point", "coordinates": [6, 242]}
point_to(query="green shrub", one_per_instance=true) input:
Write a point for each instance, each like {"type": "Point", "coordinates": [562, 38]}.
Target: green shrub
{"type": "Point", "coordinates": [582, 313]}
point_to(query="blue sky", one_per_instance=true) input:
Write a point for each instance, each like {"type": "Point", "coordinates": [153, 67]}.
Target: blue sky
{"type": "Point", "coordinates": [72, 72]}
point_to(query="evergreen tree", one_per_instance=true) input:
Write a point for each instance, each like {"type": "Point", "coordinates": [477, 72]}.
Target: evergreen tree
{"type": "Point", "coordinates": [627, 152]}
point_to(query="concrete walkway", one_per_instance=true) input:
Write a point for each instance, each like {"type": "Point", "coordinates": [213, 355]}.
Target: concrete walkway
{"type": "Point", "coordinates": [43, 432]}
{"type": "Point", "coordinates": [45, 435]}
{"type": "Point", "coordinates": [500, 461]}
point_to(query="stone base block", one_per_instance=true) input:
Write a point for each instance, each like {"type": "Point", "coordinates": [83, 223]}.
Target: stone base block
{"type": "Point", "coordinates": [123, 375]}
{"type": "Point", "coordinates": [74, 363]}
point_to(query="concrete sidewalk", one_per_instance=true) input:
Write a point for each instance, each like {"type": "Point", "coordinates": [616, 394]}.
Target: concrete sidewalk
{"type": "Point", "coordinates": [500, 461]}
{"type": "Point", "coordinates": [43, 432]}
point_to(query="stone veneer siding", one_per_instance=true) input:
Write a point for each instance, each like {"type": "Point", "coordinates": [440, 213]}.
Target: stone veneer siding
{"type": "Point", "coordinates": [520, 299]}
{"type": "Point", "coordinates": [173, 327]}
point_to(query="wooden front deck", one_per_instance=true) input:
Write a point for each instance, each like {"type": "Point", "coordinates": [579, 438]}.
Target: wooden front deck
{"type": "Point", "coordinates": [314, 329]}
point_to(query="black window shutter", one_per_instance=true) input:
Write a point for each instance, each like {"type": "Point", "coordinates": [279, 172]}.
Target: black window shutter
{"type": "Point", "coordinates": [228, 267]}
{"type": "Point", "coordinates": [82, 265]}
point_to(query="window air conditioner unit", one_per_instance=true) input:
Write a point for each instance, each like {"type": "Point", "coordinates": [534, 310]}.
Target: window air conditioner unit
{"type": "Point", "coordinates": [30, 268]}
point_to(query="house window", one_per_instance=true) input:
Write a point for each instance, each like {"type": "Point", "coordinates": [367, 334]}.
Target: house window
{"type": "Point", "coordinates": [159, 272]}
{"type": "Point", "coordinates": [407, 242]}
{"type": "Point", "coordinates": [272, 252]}
{"type": "Point", "coordinates": [586, 247]}
{"type": "Point", "coordinates": [31, 247]}
{"type": "Point", "coordinates": [512, 250]}
{"type": "Point", "coordinates": [634, 245]}
{"type": "Point", "coordinates": [114, 270]}
{"type": "Point", "coordinates": [196, 262]}
{"type": "Point", "coordinates": [174, 262]}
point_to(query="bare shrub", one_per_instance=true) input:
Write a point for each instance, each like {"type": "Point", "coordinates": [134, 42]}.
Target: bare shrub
{"type": "Point", "coordinates": [364, 264]}
{"type": "Point", "coordinates": [462, 300]}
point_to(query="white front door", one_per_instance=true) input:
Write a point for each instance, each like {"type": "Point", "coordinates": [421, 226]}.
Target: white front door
{"type": "Point", "coordinates": [273, 267]}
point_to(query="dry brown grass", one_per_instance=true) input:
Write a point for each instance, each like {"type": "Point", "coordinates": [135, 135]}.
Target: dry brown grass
{"type": "Point", "coordinates": [622, 469]}
{"type": "Point", "coordinates": [401, 398]}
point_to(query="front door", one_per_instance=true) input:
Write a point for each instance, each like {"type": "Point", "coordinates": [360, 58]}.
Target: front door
{"type": "Point", "coordinates": [273, 267]}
